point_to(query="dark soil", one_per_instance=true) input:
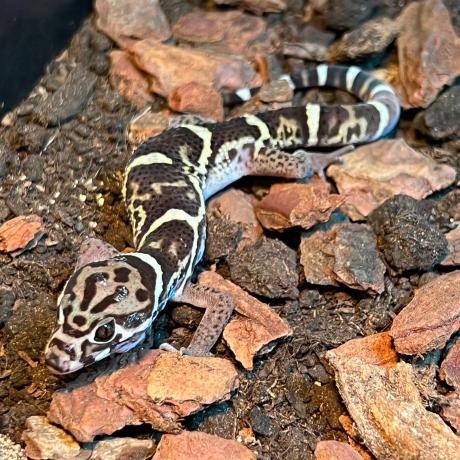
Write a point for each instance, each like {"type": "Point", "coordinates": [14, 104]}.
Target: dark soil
{"type": "Point", "coordinates": [57, 163]}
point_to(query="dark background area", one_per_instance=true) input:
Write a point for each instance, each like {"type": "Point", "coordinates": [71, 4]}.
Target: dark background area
{"type": "Point", "coordinates": [32, 33]}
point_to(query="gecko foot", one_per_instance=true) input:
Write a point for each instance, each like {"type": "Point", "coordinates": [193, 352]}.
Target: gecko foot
{"type": "Point", "coordinates": [182, 350]}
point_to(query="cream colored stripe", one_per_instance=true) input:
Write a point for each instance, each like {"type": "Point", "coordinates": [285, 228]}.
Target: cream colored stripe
{"type": "Point", "coordinates": [384, 117]}
{"type": "Point", "coordinates": [313, 114]}
{"type": "Point", "coordinates": [151, 262]}
{"type": "Point", "coordinates": [352, 73]}
{"type": "Point", "coordinates": [321, 70]}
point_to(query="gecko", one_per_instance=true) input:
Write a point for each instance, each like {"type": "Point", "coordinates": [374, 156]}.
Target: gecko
{"type": "Point", "coordinates": [111, 300]}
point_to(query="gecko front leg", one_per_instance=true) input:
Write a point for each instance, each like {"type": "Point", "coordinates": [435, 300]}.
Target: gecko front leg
{"type": "Point", "coordinates": [219, 307]}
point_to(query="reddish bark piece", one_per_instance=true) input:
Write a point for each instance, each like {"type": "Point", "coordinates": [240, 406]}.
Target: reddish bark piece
{"type": "Point", "coordinates": [289, 205]}
{"type": "Point", "coordinates": [345, 254]}
{"type": "Point", "coordinates": [372, 173]}
{"type": "Point", "coordinates": [374, 349]}
{"type": "Point", "coordinates": [192, 445]}
{"type": "Point", "coordinates": [128, 81]}
{"type": "Point", "coordinates": [171, 67]}
{"type": "Point", "coordinates": [450, 410]}
{"type": "Point", "coordinates": [147, 392]}
{"type": "Point", "coordinates": [19, 232]}
{"type": "Point", "coordinates": [428, 52]}
{"type": "Point", "coordinates": [276, 91]}
{"type": "Point", "coordinates": [123, 448]}
{"type": "Point", "coordinates": [194, 379]}
{"type": "Point", "coordinates": [257, 6]}
{"type": "Point", "coordinates": [44, 440]}
{"type": "Point", "coordinates": [353, 437]}
{"type": "Point", "coordinates": [197, 98]}
{"type": "Point", "coordinates": [431, 317]}
{"type": "Point", "coordinates": [130, 20]}
{"type": "Point", "coordinates": [388, 411]}
{"type": "Point", "coordinates": [453, 240]}
{"type": "Point", "coordinates": [148, 125]}
{"type": "Point", "coordinates": [223, 205]}
{"type": "Point", "coordinates": [450, 367]}
{"type": "Point", "coordinates": [258, 327]}
{"type": "Point", "coordinates": [226, 32]}
{"type": "Point", "coordinates": [335, 450]}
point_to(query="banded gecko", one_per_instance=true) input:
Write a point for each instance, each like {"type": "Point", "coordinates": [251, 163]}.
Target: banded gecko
{"type": "Point", "coordinates": [111, 300]}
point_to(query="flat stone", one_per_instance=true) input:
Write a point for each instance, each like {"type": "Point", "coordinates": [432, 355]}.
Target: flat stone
{"type": "Point", "coordinates": [374, 349]}
{"type": "Point", "coordinates": [450, 410]}
{"type": "Point", "coordinates": [18, 233]}
{"type": "Point", "coordinates": [450, 366]}
{"type": "Point", "coordinates": [131, 20]}
{"type": "Point", "coordinates": [255, 328]}
{"type": "Point", "coordinates": [305, 205]}
{"type": "Point", "coordinates": [389, 413]}
{"type": "Point", "coordinates": [453, 245]}
{"type": "Point", "coordinates": [172, 67]}
{"type": "Point", "coordinates": [370, 38]}
{"type": "Point", "coordinates": [312, 43]}
{"type": "Point", "coordinates": [407, 235]}
{"type": "Point", "coordinates": [225, 32]}
{"type": "Point", "coordinates": [148, 125]}
{"type": "Point", "coordinates": [344, 255]}
{"type": "Point", "coordinates": [252, 268]}
{"type": "Point", "coordinates": [123, 448]}
{"type": "Point", "coordinates": [223, 206]}
{"type": "Point", "coordinates": [197, 98]}
{"type": "Point", "coordinates": [128, 80]}
{"type": "Point", "coordinates": [430, 318]}
{"type": "Point", "coordinates": [44, 440]}
{"type": "Point", "coordinates": [428, 52]}
{"type": "Point", "coordinates": [373, 173]}
{"type": "Point", "coordinates": [335, 450]}
{"type": "Point", "coordinates": [191, 445]}
{"type": "Point", "coordinates": [161, 389]}
{"type": "Point", "coordinates": [276, 91]}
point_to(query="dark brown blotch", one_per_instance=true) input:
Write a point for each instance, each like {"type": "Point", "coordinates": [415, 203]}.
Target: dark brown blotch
{"type": "Point", "coordinates": [122, 274]}
{"type": "Point", "coordinates": [79, 320]}
{"type": "Point", "coordinates": [142, 295]}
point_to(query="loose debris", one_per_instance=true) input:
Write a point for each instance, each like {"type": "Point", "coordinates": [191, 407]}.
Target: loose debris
{"type": "Point", "coordinates": [378, 171]}
{"type": "Point", "coordinates": [431, 317]}
{"type": "Point", "coordinates": [255, 331]}
{"type": "Point", "coordinates": [193, 445]}
{"type": "Point", "coordinates": [20, 234]}
{"type": "Point", "coordinates": [450, 367]}
{"type": "Point", "coordinates": [160, 390]}
{"type": "Point", "coordinates": [123, 448]}
{"type": "Point", "coordinates": [346, 254]}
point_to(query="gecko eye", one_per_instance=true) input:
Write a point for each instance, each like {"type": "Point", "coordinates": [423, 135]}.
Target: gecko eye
{"type": "Point", "coordinates": [105, 332]}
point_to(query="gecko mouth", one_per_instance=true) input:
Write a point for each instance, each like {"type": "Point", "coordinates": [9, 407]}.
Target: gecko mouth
{"type": "Point", "coordinates": [133, 341]}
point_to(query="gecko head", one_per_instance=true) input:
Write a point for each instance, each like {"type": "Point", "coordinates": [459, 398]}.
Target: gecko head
{"type": "Point", "coordinates": [105, 307]}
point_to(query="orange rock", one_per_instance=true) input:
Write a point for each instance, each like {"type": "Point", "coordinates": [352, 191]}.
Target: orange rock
{"type": "Point", "coordinates": [450, 367]}
{"type": "Point", "coordinates": [259, 326]}
{"type": "Point", "coordinates": [193, 445]}
{"type": "Point", "coordinates": [125, 22]}
{"type": "Point", "coordinates": [128, 80]}
{"type": "Point", "coordinates": [335, 450]}
{"type": "Point", "coordinates": [160, 389]}
{"type": "Point", "coordinates": [430, 318]}
{"type": "Point", "coordinates": [44, 440]}
{"type": "Point", "coordinates": [344, 255]}
{"type": "Point", "coordinates": [17, 233]}
{"type": "Point", "coordinates": [148, 125]}
{"type": "Point", "coordinates": [374, 349]}
{"type": "Point", "coordinates": [453, 240]}
{"type": "Point", "coordinates": [197, 98]}
{"type": "Point", "coordinates": [428, 52]}
{"type": "Point", "coordinates": [223, 205]}
{"type": "Point", "coordinates": [171, 67]}
{"type": "Point", "coordinates": [225, 32]}
{"type": "Point", "coordinates": [450, 410]}
{"type": "Point", "coordinates": [289, 205]}
{"type": "Point", "coordinates": [372, 173]}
